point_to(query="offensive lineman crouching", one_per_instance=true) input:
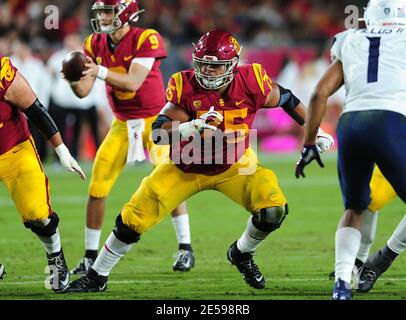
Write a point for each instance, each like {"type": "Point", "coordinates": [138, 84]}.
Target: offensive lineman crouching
{"type": "Point", "coordinates": [216, 91]}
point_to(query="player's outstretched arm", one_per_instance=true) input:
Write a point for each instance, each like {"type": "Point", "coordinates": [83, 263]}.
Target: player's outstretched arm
{"type": "Point", "coordinates": [20, 95]}
{"type": "Point", "coordinates": [332, 80]}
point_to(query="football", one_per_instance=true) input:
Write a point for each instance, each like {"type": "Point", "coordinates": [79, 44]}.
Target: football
{"type": "Point", "coordinates": [73, 65]}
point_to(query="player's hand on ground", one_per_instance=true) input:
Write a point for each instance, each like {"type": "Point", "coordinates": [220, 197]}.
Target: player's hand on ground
{"type": "Point", "coordinates": [67, 161]}
{"type": "Point", "coordinates": [91, 70]}
{"type": "Point", "coordinates": [324, 141]}
{"type": "Point", "coordinates": [309, 153]}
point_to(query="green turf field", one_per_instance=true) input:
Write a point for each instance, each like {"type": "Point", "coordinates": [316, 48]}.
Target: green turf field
{"type": "Point", "coordinates": [295, 260]}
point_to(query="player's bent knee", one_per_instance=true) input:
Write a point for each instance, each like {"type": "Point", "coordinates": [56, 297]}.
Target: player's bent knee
{"type": "Point", "coordinates": [270, 219]}
{"type": "Point", "coordinates": [124, 233]}
{"type": "Point", "coordinates": [45, 228]}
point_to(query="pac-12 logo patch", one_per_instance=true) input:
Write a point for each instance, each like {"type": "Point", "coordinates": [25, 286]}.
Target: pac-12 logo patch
{"type": "Point", "coordinates": [197, 104]}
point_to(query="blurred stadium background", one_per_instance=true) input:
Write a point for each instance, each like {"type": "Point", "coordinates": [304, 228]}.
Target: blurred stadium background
{"type": "Point", "coordinates": [292, 39]}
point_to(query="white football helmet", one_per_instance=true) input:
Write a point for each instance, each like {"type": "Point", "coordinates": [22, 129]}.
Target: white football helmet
{"type": "Point", "coordinates": [381, 13]}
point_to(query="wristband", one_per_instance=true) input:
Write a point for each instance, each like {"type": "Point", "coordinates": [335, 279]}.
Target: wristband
{"type": "Point", "coordinates": [102, 74]}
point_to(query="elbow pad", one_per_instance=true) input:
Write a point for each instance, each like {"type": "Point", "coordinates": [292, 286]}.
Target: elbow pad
{"type": "Point", "coordinates": [156, 126]}
{"type": "Point", "coordinates": [288, 101]}
{"type": "Point", "coordinates": [41, 119]}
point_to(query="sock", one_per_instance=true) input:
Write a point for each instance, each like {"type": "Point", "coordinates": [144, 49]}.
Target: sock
{"type": "Point", "coordinates": [347, 243]}
{"type": "Point", "coordinates": [397, 242]}
{"type": "Point", "coordinates": [185, 246]}
{"type": "Point", "coordinates": [182, 230]}
{"type": "Point", "coordinates": [51, 244]}
{"type": "Point", "coordinates": [92, 239]}
{"type": "Point", "coordinates": [110, 254]}
{"type": "Point", "coordinates": [251, 238]}
{"type": "Point", "coordinates": [91, 254]}
{"type": "Point", "coordinates": [368, 231]}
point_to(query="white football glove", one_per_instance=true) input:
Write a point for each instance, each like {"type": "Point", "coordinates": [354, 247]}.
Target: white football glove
{"type": "Point", "coordinates": [197, 126]}
{"type": "Point", "coordinates": [324, 141]}
{"type": "Point", "coordinates": [67, 161]}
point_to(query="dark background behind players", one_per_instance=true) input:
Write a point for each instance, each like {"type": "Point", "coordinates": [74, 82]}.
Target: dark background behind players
{"type": "Point", "coordinates": [290, 37]}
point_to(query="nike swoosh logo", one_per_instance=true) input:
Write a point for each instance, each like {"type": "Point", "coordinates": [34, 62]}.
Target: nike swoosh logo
{"type": "Point", "coordinates": [239, 102]}
{"type": "Point", "coordinates": [64, 283]}
{"type": "Point", "coordinates": [259, 279]}
{"type": "Point", "coordinates": [15, 151]}
{"type": "Point", "coordinates": [127, 58]}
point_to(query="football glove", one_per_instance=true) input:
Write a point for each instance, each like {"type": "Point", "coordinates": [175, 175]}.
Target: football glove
{"type": "Point", "coordinates": [67, 161]}
{"type": "Point", "coordinates": [324, 141]}
{"type": "Point", "coordinates": [309, 153]}
{"type": "Point", "coordinates": [197, 126]}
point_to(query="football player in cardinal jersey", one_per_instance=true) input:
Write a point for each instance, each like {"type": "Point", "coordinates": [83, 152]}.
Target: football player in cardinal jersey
{"type": "Point", "coordinates": [127, 58]}
{"type": "Point", "coordinates": [216, 96]}
{"type": "Point", "coordinates": [21, 169]}
{"type": "Point", "coordinates": [371, 130]}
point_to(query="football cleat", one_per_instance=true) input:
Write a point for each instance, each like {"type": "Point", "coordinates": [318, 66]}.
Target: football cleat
{"type": "Point", "coordinates": [83, 266]}
{"type": "Point", "coordinates": [372, 270]}
{"type": "Point", "coordinates": [91, 282]}
{"type": "Point", "coordinates": [2, 271]}
{"type": "Point", "coordinates": [355, 270]}
{"type": "Point", "coordinates": [246, 265]}
{"type": "Point", "coordinates": [59, 273]}
{"type": "Point", "coordinates": [184, 260]}
{"type": "Point", "coordinates": [342, 290]}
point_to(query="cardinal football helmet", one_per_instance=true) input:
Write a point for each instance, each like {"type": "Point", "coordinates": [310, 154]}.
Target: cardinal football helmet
{"type": "Point", "coordinates": [124, 11]}
{"type": "Point", "coordinates": [385, 13]}
{"type": "Point", "coordinates": [216, 47]}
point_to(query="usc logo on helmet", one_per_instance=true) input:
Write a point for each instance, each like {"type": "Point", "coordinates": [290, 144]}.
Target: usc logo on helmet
{"type": "Point", "coordinates": [235, 44]}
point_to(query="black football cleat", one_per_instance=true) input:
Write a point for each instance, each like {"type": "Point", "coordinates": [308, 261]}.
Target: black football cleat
{"type": "Point", "coordinates": [184, 260]}
{"type": "Point", "coordinates": [83, 266]}
{"type": "Point", "coordinates": [59, 273]}
{"type": "Point", "coordinates": [2, 271]}
{"type": "Point", "coordinates": [246, 265]}
{"type": "Point", "coordinates": [372, 270]}
{"type": "Point", "coordinates": [91, 282]}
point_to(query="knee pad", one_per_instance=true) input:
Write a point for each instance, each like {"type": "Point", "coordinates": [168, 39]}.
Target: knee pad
{"type": "Point", "coordinates": [270, 219]}
{"type": "Point", "coordinates": [42, 228]}
{"type": "Point", "coordinates": [124, 233]}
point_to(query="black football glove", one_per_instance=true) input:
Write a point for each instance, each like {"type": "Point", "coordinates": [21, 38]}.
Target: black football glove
{"type": "Point", "coordinates": [309, 153]}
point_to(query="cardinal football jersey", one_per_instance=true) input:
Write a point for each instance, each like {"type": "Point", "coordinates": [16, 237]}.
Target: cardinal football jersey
{"type": "Point", "coordinates": [245, 95]}
{"type": "Point", "coordinates": [137, 43]}
{"type": "Point", "coordinates": [374, 65]}
{"type": "Point", "coordinates": [13, 125]}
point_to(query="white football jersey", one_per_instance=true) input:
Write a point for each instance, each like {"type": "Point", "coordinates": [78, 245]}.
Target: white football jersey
{"type": "Point", "coordinates": [374, 65]}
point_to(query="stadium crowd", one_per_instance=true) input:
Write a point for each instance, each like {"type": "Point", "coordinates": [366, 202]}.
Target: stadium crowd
{"type": "Point", "coordinates": [291, 38]}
